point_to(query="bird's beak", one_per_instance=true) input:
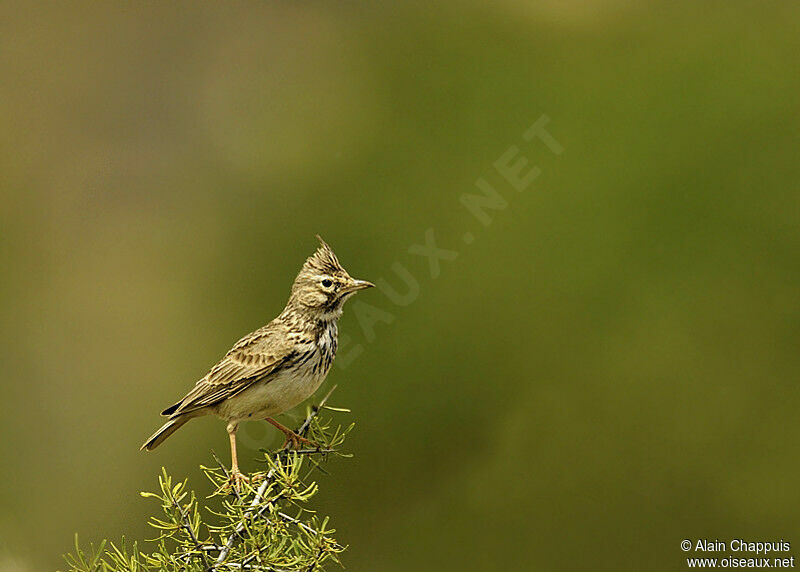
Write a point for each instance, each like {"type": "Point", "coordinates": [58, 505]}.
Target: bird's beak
{"type": "Point", "coordinates": [357, 285]}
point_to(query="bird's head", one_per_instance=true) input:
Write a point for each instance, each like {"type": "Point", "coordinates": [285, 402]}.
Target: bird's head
{"type": "Point", "coordinates": [323, 285]}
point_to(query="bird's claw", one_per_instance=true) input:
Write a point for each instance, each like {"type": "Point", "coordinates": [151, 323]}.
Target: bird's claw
{"type": "Point", "coordinates": [296, 440]}
{"type": "Point", "coordinates": [236, 479]}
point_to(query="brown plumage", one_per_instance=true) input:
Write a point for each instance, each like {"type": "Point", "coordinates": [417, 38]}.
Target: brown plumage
{"type": "Point", "coordinates": [275, 368]}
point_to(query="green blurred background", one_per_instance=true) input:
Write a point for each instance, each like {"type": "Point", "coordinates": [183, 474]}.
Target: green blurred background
{"type": "Point", "coordinates": [610, 367]}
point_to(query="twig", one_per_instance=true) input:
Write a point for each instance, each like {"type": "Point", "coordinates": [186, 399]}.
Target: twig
{"type": "Point", "coordinates": [187, 526]}
{"type": "Point", "coordinates": [302, 525]}
{"type": "Point", "coordinates": [223, 554]}
{"type": "Point", "coordinates": [314, 412]}
{"type": "Point", "coordinates": [314, 451]}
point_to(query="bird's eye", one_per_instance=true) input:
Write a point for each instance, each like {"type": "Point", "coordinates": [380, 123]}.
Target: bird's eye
{"type": "Point", "coordinates": [327, 283]}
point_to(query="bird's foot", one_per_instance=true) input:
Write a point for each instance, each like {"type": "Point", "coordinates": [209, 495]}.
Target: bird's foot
{"type": "Point", "coordinates": [291, 437]}
{"type": "Point", "coordinates": [296, 441]}
{"type": "Point", "coordinates": [236, 479]}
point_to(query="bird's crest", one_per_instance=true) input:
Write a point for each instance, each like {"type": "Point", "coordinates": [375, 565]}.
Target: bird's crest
{"type": "Point", "coordinates": [323, 261]}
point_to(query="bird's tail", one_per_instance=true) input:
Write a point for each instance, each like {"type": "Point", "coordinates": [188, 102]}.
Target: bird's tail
{"type": "Point", "coordinates": [166, 430]}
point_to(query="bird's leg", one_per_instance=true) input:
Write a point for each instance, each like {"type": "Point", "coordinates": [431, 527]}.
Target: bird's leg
{"type": "Point", "coordinates": [236, 476]}
{"type": "Point", "coordinates": [291, 436]}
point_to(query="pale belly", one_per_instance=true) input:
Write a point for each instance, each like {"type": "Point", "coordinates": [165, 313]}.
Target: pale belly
{"type": "Point", "coordinates": [272, 396]}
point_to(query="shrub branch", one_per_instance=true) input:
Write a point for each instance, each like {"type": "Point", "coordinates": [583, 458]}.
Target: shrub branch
{"type": "Point", "coordinates": [251, 528]}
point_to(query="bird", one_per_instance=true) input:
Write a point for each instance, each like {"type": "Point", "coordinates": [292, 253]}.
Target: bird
{"type": "Point", "coordinates": [278, 366]}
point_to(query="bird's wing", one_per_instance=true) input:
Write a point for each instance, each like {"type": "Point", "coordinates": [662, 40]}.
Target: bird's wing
{"type": "Point", "coordinates": [252, 358]}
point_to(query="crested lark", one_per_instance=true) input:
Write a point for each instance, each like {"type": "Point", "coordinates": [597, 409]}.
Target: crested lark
{"type": "Point", "coordinates": [278, 366]}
